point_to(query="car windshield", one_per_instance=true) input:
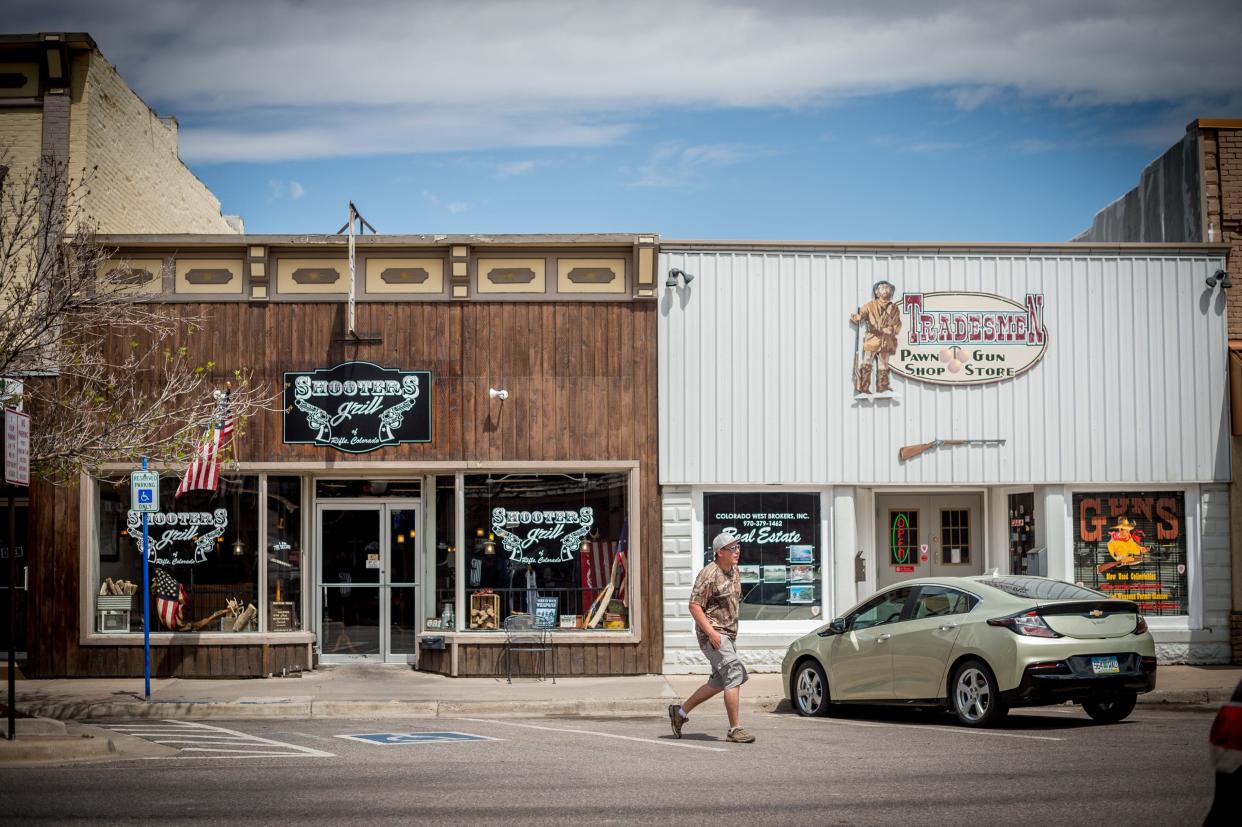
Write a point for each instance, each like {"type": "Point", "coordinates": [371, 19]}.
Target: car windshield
{"type": "Point", "coordinates": [1038, 588]}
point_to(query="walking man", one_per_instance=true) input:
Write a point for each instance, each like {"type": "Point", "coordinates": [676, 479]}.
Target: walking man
{"type": "Point", "coordinates": [713, 605]}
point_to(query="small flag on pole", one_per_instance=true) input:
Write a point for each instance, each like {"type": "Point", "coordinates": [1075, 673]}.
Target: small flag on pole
{"type": "Point", "coordinates": [204, 470]}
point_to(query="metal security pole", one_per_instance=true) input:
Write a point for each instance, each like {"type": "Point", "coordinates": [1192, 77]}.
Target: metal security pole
{"type": "Point", "coordinates": [12, 619]}
{"type": "Point", "coordinates": [146, 607]}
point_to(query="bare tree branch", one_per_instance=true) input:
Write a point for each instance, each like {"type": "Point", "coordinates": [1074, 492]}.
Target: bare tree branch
{"type": "Point", "coordinates": [106, 371]}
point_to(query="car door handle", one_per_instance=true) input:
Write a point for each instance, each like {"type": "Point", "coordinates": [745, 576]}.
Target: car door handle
{"type": "Point", "coordinates": [883, 638]}
{"type": "Point", "coordinates": [944, 627]}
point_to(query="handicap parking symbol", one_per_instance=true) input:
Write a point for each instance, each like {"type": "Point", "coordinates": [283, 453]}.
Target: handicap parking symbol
{"type": "Point", "coordinates": [392, 738]}
{"type": "Point", "coordinates": [144, 496]}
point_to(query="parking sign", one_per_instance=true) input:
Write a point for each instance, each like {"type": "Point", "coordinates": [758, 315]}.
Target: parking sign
{"type": "Point", "coordinates": [144, 491]}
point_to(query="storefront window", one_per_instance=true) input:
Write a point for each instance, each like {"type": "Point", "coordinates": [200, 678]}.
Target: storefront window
{"type": "Point", "coordinates": [284, 554]}
{"type": "Point", "coordinates": [1132, 546]}
{"type": "Point", "coordinates": [203, 553]}
{"type": "Point", "coordinates": [553, 546]}
{"type": "Point", "coordinates": [444, 575]}
{"type": "Point", "coordinates": [782, 551]}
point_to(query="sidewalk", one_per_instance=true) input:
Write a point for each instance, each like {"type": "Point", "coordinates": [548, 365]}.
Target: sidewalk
{"type": "Point", "coordinates": [374, 691]}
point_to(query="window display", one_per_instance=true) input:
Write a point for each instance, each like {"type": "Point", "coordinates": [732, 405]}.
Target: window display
{"type": "Point", "coordinates": [284, 554]}
{"type": "Point", "coordinates": [1132, 546]}
{"type": "Point", "coordinates": [782, 556]}
{"type": "Point", "coordinates": [556, 541]}
{"type": "Point", "coordinates": [203, 554]}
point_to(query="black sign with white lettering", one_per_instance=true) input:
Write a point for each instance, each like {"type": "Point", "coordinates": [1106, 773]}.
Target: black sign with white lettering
{"type": "Point", "coordinates": [357, 407]}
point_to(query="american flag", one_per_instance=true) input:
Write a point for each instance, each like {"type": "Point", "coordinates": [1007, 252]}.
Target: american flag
{"type": "Point", "coordinates": [169, 600]}
{"type": "Point", "coordinates": [204, 470]}
{"type": "Point", "coordinates": [596, 565]}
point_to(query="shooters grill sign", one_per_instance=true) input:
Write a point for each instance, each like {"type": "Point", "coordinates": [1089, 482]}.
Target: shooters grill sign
{"type": "Point", "coordinates": [357, 407]}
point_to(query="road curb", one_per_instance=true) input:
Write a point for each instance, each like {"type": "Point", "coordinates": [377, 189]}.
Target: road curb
{"type": "Point", "coordinates": [585, 708]}
{"type": "Point", "coordinates": [44, 748]}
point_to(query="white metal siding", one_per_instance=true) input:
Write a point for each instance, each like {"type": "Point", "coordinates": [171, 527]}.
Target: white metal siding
{"type": "Point", "coordinates": [756, 356]}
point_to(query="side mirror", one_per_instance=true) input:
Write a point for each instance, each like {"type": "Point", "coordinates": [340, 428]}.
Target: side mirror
{"type": "Point", "coordinates": [836, 627]}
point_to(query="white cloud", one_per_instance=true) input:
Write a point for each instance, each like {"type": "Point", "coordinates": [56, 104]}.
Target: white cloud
{"type": "Point", "coordinates": [318, 78]}
{"type": "Point", "coordinates": [280, 190]}
{"type": "Point", "coordinates": [675, 165]}
{"type": "Point", "coordinates": [457, 207]}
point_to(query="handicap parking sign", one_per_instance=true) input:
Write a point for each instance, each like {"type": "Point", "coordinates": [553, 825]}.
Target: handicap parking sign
{"type": "Point", "coordinates": [144, 491]}
{"type": "Point", "coordinates": [392, 738]}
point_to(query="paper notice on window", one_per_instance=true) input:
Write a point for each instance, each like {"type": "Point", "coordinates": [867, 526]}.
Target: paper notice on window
{"type": "Point", "coordinates": [955, 555]}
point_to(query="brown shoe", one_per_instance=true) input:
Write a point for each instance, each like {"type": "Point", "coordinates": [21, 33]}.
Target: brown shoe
{"type": "Point", "coordinates": [675, 719]}
{"type": "Point", "coordinates": [740, 736]}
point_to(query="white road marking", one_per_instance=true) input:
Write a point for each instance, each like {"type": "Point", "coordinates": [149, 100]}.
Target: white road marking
{"type": "Point", "coordinates": [207, 738]}
{"type": "Point", "coordinates": [665, 743]}
{"type": "Point", "coordinates": [932, 727]}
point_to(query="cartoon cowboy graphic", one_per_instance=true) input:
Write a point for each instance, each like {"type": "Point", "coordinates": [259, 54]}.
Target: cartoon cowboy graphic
{"type": "Point", "coordinates": [1123, 544]}
{"type": "Point", "coordinates": [883, 321]}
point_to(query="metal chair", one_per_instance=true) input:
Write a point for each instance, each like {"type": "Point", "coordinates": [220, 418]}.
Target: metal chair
{"type": "Point", "coordinates": [522, 636]}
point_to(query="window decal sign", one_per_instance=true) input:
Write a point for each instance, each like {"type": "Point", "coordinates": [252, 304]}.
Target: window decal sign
{"type": "Point", "coordinates": [969, 338]}
{"type": "Point", "coordinates": [172, 532]}
{"type": "Point", "coordinates": [357, 407]}
{"type": "Point", "coordinates": [530, 536]}
{"type": "Point", "coordinates": [1132, 546]}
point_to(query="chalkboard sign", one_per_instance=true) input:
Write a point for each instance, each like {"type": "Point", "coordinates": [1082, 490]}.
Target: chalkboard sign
{"type": "Point", "coordinates": [280, 617]}
{"type": "Point", "coordinates": [357, 407]}
{"type": "Point", "coordinates": [546, 612]}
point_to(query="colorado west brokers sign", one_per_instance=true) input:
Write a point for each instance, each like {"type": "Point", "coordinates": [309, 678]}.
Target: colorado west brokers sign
{"type": "Point", "coordinates": [969, 338]}
{"type": "Point", "coordinates": [357, 407]}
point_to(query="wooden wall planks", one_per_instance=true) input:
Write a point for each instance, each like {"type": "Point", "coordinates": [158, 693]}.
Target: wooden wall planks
{"type": "Point", "coordinates": [581, 378]}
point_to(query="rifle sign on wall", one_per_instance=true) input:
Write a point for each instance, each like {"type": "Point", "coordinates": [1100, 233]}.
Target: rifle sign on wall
{"type": "Point", "coordinates": [357, 407]}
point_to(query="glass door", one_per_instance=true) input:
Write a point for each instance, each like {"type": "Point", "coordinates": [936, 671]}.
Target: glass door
{"type": "Point", "coordinates": [368, 565]}
{"type": "Point", "coordinates": [350, 577]}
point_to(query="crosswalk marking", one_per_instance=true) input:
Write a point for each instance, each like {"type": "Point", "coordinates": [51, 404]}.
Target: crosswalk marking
{"type": "Point", "coordinates": [193, 739]}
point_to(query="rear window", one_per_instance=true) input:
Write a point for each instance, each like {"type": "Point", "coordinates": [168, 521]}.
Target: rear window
{"type": "Point", "coordinates": [1037, 588]}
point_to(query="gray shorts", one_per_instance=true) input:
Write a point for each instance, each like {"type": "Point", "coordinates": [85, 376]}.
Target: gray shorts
{"type": "Point", "coordinates": [728, 670]}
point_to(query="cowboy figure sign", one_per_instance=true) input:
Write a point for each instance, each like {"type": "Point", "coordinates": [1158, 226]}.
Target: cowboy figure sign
{"type": "Point", "coordinates": [883, 321]}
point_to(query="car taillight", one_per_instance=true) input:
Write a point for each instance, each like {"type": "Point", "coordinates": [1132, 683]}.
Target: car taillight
{"type": "Point", "coordinates": [1227, 728]}
{"type": "Point", "coordinates": [1140, 624]}
{"type": "Point", "coordinates": [1029, 623]}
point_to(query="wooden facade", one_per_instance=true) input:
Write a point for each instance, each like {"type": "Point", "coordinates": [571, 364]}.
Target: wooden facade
{"type": "Point", "coordinates": [582, 380]}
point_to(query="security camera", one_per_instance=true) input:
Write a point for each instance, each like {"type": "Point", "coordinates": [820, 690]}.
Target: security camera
{"type": "Point", "coordinates": [501, 394]}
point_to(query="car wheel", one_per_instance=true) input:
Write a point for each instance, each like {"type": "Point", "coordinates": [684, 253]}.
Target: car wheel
{"type": "Point", "coordinates": [1110, 710]}
{"type": "Point", "coordinates": [974, 696]}
{"type": "Point", "coordinates": [810, 690]}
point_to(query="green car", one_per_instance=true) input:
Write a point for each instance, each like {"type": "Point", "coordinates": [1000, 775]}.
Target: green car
{"type": "Point", "coordinates": [979, 646]}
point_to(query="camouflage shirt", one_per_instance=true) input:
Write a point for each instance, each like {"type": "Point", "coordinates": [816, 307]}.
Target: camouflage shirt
{"type": "Point", "coordinates": [718, 593]}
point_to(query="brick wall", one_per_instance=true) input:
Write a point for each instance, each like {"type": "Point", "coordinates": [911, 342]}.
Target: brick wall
{"type": "Point", "coordinates": [1222, 178]}
{"type": "Point", "coordinates": [140, 185]}
{"type": "Point", "coordinates": [21, 136]}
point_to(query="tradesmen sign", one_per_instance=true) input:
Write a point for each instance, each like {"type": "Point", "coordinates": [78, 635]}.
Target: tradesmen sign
{"type": "Point", "coordinates": [969, 338]}
{"type": "Point", "coordinates": [357, 407]}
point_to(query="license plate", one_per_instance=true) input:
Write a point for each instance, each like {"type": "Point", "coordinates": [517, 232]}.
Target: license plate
{"type": "Point", "coordinates": [1105, 666]}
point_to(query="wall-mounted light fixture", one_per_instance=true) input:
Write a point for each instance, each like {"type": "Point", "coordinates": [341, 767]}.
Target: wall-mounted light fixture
{"type": "Point", "coordinates": [1220, 277]}
{"type": "Point", "coordinates": [671, 281]}
{"type": "Point", "coordinates": [500, 394]}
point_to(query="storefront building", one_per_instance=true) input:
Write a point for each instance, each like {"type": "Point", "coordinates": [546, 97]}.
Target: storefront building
{"type": "Point", "coordinates": [479, 445]}
{"type": "Point", "coordinates": [861, 415]}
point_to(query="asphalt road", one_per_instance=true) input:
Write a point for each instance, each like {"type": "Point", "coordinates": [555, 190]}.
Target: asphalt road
{"type": "Point", "coordinates": [871, 767]}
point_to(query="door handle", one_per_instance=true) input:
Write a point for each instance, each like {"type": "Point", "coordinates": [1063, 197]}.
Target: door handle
{"type": "Point", "coordinates": [944, 627]}
{"type": "Point", "coordinates": [883, 637]}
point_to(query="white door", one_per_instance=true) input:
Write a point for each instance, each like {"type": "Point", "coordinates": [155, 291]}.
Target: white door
{"type": "Point", "coordinates": [928, 535]}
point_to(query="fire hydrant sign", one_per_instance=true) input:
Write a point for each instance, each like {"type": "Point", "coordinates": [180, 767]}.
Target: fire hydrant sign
{"type": "Point", "coordinates": [16, 447]}
{"type": "Point", "coordinates": [144, 491]}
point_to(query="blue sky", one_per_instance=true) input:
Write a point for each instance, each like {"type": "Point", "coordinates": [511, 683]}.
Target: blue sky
{"type": "Point", "coordinates": [788, 119]}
